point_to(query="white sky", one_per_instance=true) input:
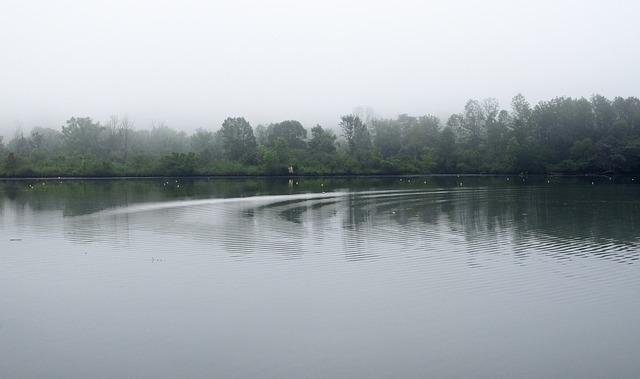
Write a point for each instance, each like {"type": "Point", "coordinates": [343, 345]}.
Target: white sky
{"type": "Point", "coordinates": [192, 63]}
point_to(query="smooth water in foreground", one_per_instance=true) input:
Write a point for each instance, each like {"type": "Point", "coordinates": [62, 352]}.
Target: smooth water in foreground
{"type": "Point", "coordinates": [321, 278]}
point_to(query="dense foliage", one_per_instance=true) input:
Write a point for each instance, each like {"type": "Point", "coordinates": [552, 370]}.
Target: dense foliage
{"type": "Point", "coordinates": [563, 135]}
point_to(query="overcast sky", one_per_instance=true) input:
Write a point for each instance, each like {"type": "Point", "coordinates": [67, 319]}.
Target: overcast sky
{"type": "Point", "coordinates": [192, 63]}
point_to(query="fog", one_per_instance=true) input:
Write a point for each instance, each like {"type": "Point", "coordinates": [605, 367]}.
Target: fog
{"type": "Point", "coordinates": [190, 64]}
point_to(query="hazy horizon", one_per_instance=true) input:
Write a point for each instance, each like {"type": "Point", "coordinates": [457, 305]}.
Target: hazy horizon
{"type": "Point", "coordinates": [191, 64]}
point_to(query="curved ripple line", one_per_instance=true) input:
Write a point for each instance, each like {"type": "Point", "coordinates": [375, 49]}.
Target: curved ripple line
{"type": "Point", "coordinates": [248, 200]}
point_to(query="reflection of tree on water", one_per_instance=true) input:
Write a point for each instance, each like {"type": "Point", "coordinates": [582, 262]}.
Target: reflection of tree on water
{"type": "Point", "coordinates": [289, 210]}
{"type": "Point", "coordinates": [359, 218]}
{"type": "Point", "coordinates": [114, 229]}
{"type": "Point", "coordinates": [558, 221]}
{"type": "Point", "coordinates": [583, 218]}
{"type": "Point", "coordinates": [563, 219]}
{"type": "Point", "coordinates": [294, 214]}
{"type": "Point", "coordinates": [84, 196]}
{"type": "Point", "coordinates": [285, 229]}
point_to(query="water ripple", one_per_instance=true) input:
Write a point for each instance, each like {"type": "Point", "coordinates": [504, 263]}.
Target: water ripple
{"type": "Point", "coordinates": [432, 272]}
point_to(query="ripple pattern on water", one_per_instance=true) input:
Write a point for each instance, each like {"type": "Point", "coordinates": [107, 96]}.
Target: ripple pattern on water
{"type": "Point", "coordinates": [270, 282]}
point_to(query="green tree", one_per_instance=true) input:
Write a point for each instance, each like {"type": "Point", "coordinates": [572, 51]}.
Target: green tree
{"type": "Point", "coordinates": [473, 124]}
{"type": "Point", "coordinates": [604, 116]}
{"type": "Point", "coordinates": [356, 132]}
{"type": "Point", "coordinates": [420, 135]}
{"type": "Point", "coordinates": [454, 122]}
{"type": "Point", "coordinates": [609, 156]}
{"type": "Point", "coordinates": [82, 136]}
{"type": "Point", "coordinates": [404, 122]}
{"type": "Point", "coordinates": [431, 127]}
{"type": "Point", "coordinates": [322, 141]}
{"type": "Point", "coordinates": [495, 159]}
{"type": "Point", "coordinates": [520, 118]}
{"type": "Point", "coordinates": [628, 110]}
{"type": "Point", "coordinates": [203, 143]}
{"type": "Point", "coordinates": [260, 132]}
{"type": "Point", "coordinates": [119, 131]}
{"type": "Point", "coordinates": [11, 164]}
{"type": "Point", "coordinates": [161, 140]}
{"type": "Point", "coordinates": [491, 109]}
{"type": "Point", "coordinates": [268, 159]}
{"type": "Point", "coordinates": [446, 151]}
{"type": "Point", "coordinates": [582, 153]}
{"type": "Point", "coordinates": [178, 164]}
{"type": "Point", "coordinates": [513, 156]}
{"type": "Point", "coordinates": [238, 139]}
{"type": "Point", "coordinates": [19, 144]}
{"type": "Point", "coordinates": [387, 138]}
{"type": "Point", "coordinates": [557, 124]}
{"type": "Point", "coordinates": [291, 131]}
{"type": "Point", "coordinates": [36, 140]}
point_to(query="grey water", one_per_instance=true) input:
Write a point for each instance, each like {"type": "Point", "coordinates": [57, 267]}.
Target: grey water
{"type": "Point", "coordinates": [419, 277]}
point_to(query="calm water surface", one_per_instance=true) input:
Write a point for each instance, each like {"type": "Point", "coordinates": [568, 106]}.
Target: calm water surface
{"type": "Point", "coordinates": [320, 278]}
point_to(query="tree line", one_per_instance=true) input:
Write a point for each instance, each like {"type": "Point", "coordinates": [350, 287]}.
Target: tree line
{"type": "Point", "coordinates": [562, 135]}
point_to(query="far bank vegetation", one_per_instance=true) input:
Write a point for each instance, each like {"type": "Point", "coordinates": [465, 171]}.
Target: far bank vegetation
{"type": "Point", "coordinates": [563, 135]}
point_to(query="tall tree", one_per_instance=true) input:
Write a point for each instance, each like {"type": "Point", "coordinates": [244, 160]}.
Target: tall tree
{"type": "Point", "coordinates": [119, 134]}
{"type": "Point", "coordinates": [238, 139]}
{"type": "Point", "coordinates": [520, 118]}
{"type": "Point", "coordinates": [365, 113]}
{"type": "Point", "coordinates": [446, 151]}
{"type": "Point", "coordinates": [431, 126]}
{"type": "Point", "coordinates": [202, 142]}
{"type": "Point", "coordinates": [322, 141]}
{"type": "Point", "coordinates": [356, 132]}
{"type": "Point", "coordinates": [19, 144]}
{"type": "Point", "coordinates": [474, 123]}
{"type": "Point", "coordinates": [454, 122]}
{"type": "Point", "coordinates": [49, 139]}
{"type": "Point", "coordinates": [604, 115]}
{"type": "Point", "coordinates": [260, 133]}
{"type": "Point", "coordinates": [420, 135]}
{"type": "Point", "coordinates": [161, 140]}
{"type": "Point", "coordinates": [83, 136]}
{"type": "Point", "coordinates": [387, 138]}
{"type": "Point", "coordinates": [628, 111]}
{"type": "Point", "coordinates": [404, 122]}
{"type": "Point", "coordinates": [491, 109]}
{"type": "Point", "coordinates": [291, 131]}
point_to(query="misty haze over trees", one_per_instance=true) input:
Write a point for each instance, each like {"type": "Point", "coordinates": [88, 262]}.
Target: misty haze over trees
{"type": "Point", "coordinates": [563, 135]}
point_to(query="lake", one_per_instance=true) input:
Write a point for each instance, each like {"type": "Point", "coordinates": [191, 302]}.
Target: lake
{"type": "Point", "coordinates": [447, 277]}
